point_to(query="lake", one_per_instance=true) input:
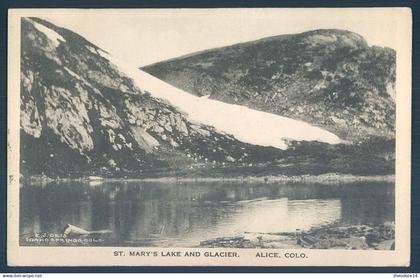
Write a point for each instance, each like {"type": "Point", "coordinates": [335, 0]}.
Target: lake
{"type": "Point", "coordinates": [183, 214]}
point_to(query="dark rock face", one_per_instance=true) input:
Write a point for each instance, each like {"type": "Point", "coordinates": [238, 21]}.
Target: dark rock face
{"type": "Point", "coordinates": [329, 78]}
{"type": "Point", "coordinates": [81, 116]}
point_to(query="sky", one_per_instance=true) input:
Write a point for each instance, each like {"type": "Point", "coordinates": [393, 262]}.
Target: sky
{"type": "Point", "coordinates": [145, 36]}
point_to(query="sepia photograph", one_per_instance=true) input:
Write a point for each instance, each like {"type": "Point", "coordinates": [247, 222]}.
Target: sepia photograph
{"type": "Point", "coordinates": [217, 134]}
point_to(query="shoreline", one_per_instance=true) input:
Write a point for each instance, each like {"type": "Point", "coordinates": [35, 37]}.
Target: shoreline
{"type": "Point", "coordinates": [325, 178]}
{"type": "Point", "coordinates": [328, 178]}
{"type": "Point", "coordinates": [334, 236]}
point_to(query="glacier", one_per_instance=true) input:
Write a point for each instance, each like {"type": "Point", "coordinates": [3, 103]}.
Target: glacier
{"type": "Point", "coordinates": [245, 124]}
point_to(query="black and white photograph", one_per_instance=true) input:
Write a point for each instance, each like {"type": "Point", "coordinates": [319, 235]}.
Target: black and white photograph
{"type": "Point", "coordinates": [213, 131]}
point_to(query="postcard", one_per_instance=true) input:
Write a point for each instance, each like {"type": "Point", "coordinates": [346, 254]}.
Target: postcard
{"type": "Point", "coordinates": [209, 137]}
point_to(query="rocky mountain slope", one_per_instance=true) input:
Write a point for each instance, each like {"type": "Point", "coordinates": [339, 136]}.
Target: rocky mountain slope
{"type": "Point", "coordinates": [329, 78]}
{"type": "Point", "coordinates": [81, 116]}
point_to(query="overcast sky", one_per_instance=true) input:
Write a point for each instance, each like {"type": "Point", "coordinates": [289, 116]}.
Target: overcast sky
{"type": "Point", "coordinates": [146, 36]}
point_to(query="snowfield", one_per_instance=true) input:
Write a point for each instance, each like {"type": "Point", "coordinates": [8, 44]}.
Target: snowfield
{"type": "Point", "coordinates": [245, 124]}
{"type": "Point", "coordinates": [52, 35]}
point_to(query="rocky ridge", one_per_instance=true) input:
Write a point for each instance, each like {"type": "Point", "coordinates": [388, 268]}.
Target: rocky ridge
{"type": "Point", "coordinates": [81, 116]}
{"type": "Point", "coordinates": [329, 78]}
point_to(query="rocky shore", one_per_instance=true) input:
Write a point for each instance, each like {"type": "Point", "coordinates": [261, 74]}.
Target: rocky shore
{"type": "Point", "coordinates": [323, 178]}
{"type": "Point", "coordinates": [360, 237]}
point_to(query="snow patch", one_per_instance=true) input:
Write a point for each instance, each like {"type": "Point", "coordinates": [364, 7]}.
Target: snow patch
{"type": "Point", "coordinates": [104, 54]}
{"type": "Point", "coordinates": [98, 51]}
{"type": "Point", "coordinates": [91, 49]}
{"type": "Point", "coordinates": [245, 124]}
{"type": "Point", "coordinates": [72, 73]}
{"type": "Point", "coordinates": [51, 34]}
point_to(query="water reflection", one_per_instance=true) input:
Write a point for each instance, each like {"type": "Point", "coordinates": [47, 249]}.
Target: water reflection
{"type": "Point", "coordinates": [161, 214]}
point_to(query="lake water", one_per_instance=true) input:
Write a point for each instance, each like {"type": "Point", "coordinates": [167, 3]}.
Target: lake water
{"type": "Point", "coordinates": [174, 214]}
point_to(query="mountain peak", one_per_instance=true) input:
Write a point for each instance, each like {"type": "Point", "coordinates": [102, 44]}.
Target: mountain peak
{"type": "Point", "coordinates": [334, 36]}
{"type": "Point", "coordinates": [328, 77]}
{"type": "Point", "coordinates": [321, 37]}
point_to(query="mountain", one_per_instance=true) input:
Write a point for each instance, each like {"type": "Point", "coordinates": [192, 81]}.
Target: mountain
{"type": "Point", "coordinates": [84, 113]}
{"type": "Point", "coordinates": [328, 78]}
{"type": "Point", "coordinates": [80, 115]}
